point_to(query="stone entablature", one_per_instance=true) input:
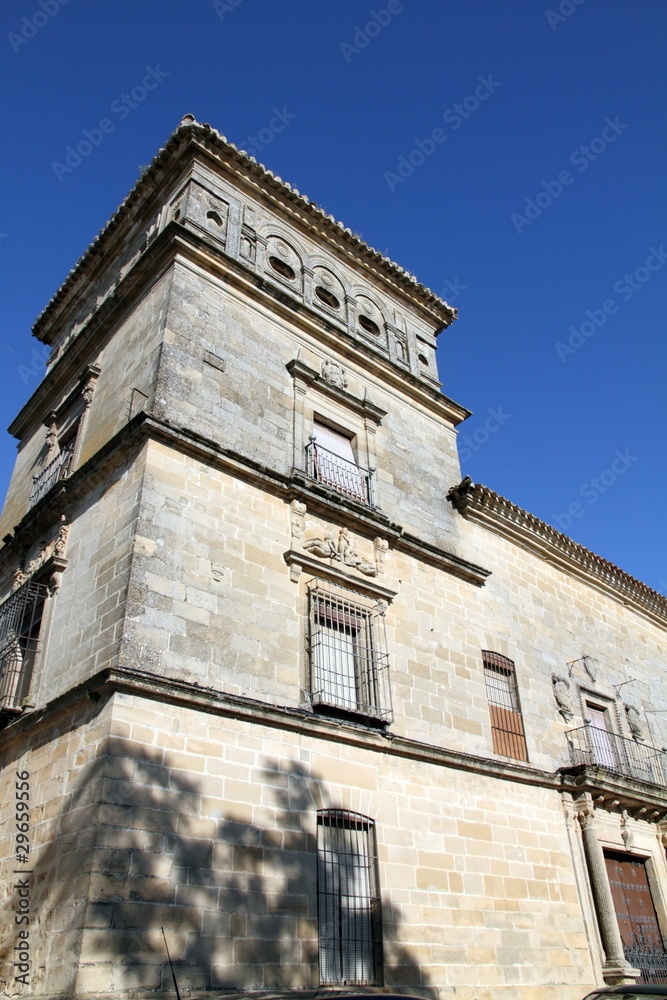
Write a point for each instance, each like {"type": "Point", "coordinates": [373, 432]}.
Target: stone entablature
{"type": "Point", "coordinates": [207, 200]}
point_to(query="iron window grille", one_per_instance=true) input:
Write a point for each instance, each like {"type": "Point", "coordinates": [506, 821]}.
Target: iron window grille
{"type": "Point", "coordinates": [57, 469]}
{"type": "Point", "coordinates": [349, 663]}
{"type": "Point", "coordinates": [509, 737]}
{"type": "Point", "coordinates": [339, 473]}
{"type": "Point", "coordinates": [348, 900]}
{"type": "Point", "coordinates": [20, 624]}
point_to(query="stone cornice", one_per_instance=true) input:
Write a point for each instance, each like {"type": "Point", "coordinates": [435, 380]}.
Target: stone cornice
{"type": "Point", "coordinates": [601, 789]}
{"type": "Point", "coordinates": [481, 505]}
{"type": "Point", "coordinates": [177, 244]}
{"type": "Point", "coordinates": [342, 510]}
{"type": "Point", "coordinates": [610, 791]}
{"type": "Point", "coordinates": [192, 138]}
{"type": "Point", "coordinates": [300, 721]}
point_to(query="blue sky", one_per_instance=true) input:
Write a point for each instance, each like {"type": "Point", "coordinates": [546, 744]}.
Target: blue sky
{"type": "Point", "coordinates": [511, 155]}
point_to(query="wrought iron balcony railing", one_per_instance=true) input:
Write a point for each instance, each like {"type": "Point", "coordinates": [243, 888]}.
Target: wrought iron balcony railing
{"type": "Point", "coordinates": [339, 474]}
{"type": "Point", "coordinates": [630, 758]}
{"type": "Point", "coordinates": [57, 469]}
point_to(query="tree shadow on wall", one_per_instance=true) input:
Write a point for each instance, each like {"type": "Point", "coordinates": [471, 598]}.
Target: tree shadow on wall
{"type": "Point", "coordinates": [142, 845]}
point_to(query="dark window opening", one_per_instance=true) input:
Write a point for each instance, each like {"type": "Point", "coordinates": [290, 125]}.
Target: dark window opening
{"type": "Point", "coordinates": [369, 326]}
{"type": "Point", "coordinates": [282, 268]}
{"type": "Point", "coordinates": [329, 299]}
{"type": "Point", "coordinates": [20, 626]}
{"type": "Point", "coordinates": [348, 653]}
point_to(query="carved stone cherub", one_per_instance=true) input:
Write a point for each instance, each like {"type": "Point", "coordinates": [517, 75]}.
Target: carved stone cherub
{"type": "Point", "coordinates": [325, 547]}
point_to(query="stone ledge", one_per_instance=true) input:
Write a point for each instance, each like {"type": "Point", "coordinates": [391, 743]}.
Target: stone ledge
{"type": "Point", "coordinates": [365, 520]}
{"type": "Point", "coordinates": [300, 721]}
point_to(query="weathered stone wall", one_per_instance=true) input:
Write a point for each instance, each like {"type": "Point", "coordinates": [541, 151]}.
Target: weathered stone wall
{"type": "Point", "coordinates": [62, 757]}
{"type": "Point", "coordinates": [249, 407]}
{"type": "Point", "coordinates": [212, 601]}
{"type": "Point", "coordinates": [127, 360]}
{"type": "Point", "coordinates": [206, 825]}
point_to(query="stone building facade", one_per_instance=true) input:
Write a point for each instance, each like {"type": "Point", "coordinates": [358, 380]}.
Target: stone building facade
{"type": "Point", "coordinates": [272, 677]}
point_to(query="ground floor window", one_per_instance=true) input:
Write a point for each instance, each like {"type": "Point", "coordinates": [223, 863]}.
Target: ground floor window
{"type": "Point", "coordinates": [349, 921]}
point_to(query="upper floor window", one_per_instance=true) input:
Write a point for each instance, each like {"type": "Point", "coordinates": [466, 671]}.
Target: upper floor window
{"type": "Point", "coordinates": [348, 656]}
{"type": "Point", "coordinates": [59, 461]}
{"type": "Point", "coordinates": [348, 900]}
{"type": "Point", "coordinates": [20, 626]}
{"type": "Point", "coordinates": [65, 428]}
{"type": "Point", "coordinates": [509, 738]}
{"type": "Point", "coordinates": [331, 461]}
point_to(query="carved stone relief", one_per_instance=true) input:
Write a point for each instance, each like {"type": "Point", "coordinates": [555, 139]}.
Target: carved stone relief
{"type": "Point", "coordinates": [335, 544]}
{"type": "Point", "coordinates": [561, 689]}
{"type": "Point", "coordinates": [54, 549]}
{"type": "Point", "coordinates": [340, 550]}
{"type": "Point", "coordinates": [298, 518]}
{"type": "Point", "coordinates": [334, 374]}
{"type": "Point", "coordinates": [635, 721]}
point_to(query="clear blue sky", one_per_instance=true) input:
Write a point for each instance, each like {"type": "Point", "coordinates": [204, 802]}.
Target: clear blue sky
{"type": "Point", "coordinates": [561, 117]}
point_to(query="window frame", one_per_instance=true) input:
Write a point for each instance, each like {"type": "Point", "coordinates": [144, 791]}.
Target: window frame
{"type": "Point", "coordinates": [507, 727]}
{"type": "Point", "coordinates": [349, 907]}
{"type": "Point", "coordinates": [348, 660]}
{"type": "Point", "coordinates": [22, 624]}
{"type": "Point", "coordinates": [342, 473]}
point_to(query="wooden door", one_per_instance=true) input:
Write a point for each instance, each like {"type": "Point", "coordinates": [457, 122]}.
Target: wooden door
{"type": "Point", "coordinates": [635, 912]}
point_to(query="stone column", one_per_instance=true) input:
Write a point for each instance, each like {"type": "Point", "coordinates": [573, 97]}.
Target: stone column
{"type": "Point", "coordinates": [616, 969]}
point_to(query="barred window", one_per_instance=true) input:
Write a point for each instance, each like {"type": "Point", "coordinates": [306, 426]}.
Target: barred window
{"type": "Point", "coordinates": [348, 652]}
{"type": "Point", "coordinates": [506, 721]}
{"type": "Point", "coordinates": [348, 900]}
{"type": "Point", "coordinates": [20, 625]}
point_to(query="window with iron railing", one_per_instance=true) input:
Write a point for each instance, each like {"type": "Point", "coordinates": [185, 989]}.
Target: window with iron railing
{"type": "Point", "coordinates": [57, 469]}
{"type": "Point", "coordinates": [349, 663]}
{"type": "Point", "coordinates": [348, 900]}
{"type": "Point", "coordinates": [20, 626]}
{"type": "Point", "coordinates": [507, 730]}
{"type": "Point", "coordinates": [330, 460]}
{"type": "Point", "coordinates": [595, 746]}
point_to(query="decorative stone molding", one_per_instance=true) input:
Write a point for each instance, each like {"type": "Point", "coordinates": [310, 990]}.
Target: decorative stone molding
{"type": "Point", "coordinates": [340, 550]}
{"type": "Point", "coordinates": [334, 374]}
{"type": "Point", "coordinates": [481, 505]}
{"type": "Point", "coordinates": [299, 560]}
{"type": "Point", "coordinates": [381, 548]}
{"type": "Point", "coordinates": [307, 376]}
{"type": "Point", "coordinates": [49, 564]}
{"type": "Point", "coordinates": [561, 690]}
{"type": "Point", "coordinates": [297, 518]}
{"type": "Point", "coordinates": [635, 722]}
